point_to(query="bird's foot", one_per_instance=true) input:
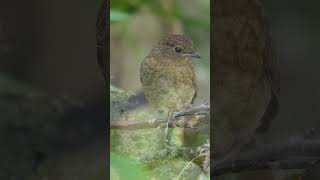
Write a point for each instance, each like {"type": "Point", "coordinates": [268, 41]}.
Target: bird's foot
{"type": "Point", "coordinates": [167, 134]}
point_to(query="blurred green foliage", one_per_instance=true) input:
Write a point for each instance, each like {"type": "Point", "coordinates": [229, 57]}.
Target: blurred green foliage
{"type": "Point", "coordinates": [120, 10]}
{"type": "Point", "coordinates": [129, 6]}
{"type": "Point", "coordinates": [117, 15]}
{"type": "Point", "coordinates": [123, 167]}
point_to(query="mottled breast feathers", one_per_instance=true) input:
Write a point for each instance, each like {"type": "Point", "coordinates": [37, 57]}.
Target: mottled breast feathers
{"type": "Point", "coordinates": [168, 84]}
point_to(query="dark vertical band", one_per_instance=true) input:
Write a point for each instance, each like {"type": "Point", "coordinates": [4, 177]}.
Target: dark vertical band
{"type": "Point", "coordinates": [103, 56]}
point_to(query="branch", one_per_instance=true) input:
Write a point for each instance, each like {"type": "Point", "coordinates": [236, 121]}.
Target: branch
{"type": "Point", "coordinates": [134, 124]}
{"type": "Point", "coordinates": [299, 153]}
{"type": "Point", "coordinates": [188, 118]}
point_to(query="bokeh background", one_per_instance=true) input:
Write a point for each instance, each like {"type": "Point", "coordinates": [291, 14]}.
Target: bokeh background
{"type": "Point", "coordinates": [294, 28]}
{"type": "Point", "coordinates": [138, 25]}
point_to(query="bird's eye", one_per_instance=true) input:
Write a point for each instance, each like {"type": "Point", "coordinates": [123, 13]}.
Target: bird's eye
{"type": "Point", "coordinates": [178, 49]}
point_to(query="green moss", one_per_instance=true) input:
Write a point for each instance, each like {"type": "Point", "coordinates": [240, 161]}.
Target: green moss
{"type": "Point", "coordinates": [118, 102]}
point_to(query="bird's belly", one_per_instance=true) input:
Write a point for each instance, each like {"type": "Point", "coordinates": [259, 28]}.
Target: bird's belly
{"type": "Point", "coordinates": [170, 89]}
{"type": "Point", "coordinates": [238, 106]}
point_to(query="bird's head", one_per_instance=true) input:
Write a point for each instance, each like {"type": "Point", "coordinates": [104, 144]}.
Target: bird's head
{"type": "Point", "coordinates": [175, 46]}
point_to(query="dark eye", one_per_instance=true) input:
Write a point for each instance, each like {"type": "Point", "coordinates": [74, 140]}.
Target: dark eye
{"type": "Point", "coordinates": [178, 49]}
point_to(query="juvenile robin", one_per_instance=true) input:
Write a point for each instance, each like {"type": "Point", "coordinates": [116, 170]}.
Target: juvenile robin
{"type": "Point", "coordinates": [245, 83]}
{"type": "Point", "coordinates": [168, 78]}
{"type": "Point", "coordinates": [167, 74]}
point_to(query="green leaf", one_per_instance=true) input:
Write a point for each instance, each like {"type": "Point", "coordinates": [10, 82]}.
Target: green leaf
{"type": "Point", "coordinates": [123, 168]}
{"type": "Point", "coordinates": [118, 15]}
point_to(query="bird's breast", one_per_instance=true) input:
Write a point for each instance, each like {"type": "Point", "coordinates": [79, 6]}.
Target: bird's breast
{"type": "Point", "coordinates": [167, 83]}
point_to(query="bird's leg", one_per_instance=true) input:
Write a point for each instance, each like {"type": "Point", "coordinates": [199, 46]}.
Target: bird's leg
{"type": "Point", "coordinates": [189, 106]}
{"type": "Point", "coordinates": [167, 135]}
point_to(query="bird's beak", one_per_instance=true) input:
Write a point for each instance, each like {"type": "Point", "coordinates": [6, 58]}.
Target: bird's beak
{"type": "Point", "coordinates": [195, 55]}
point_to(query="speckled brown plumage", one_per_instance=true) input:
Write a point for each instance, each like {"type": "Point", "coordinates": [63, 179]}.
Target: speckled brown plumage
{"type": "Point", "coordinates": [245, 79]}
{"type": "Point", "coordinates": [167, 73]}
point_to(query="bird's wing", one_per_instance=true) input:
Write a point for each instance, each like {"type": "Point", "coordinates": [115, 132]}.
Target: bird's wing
{"type": "Point", "coordinates": [146, 71]}
{"type": "Point", "coordinates": [194, 96]}
{"type": "Point", "coordinates": [195, 87]}
{"type": "Point", "coordinates": [142, 66]}
{"type": "Point", "coordinates": [270, 68]}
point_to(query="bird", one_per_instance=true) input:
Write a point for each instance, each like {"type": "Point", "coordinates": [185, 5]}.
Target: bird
{"type": "Point", "coordinates": [167, 75]}
{"type": "Point", "coordinates": [245, 91]}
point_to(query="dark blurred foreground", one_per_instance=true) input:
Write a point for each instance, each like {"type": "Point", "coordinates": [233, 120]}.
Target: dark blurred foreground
{"type": "Point", "coordinates": [52, 105]}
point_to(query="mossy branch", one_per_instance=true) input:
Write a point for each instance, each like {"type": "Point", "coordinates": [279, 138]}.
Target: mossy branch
{"type": "Point", "coordinates": [189, 118]}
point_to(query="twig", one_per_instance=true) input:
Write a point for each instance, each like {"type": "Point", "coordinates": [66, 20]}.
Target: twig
{"type": "Point", "coordinates": [134, 124]}
{"type": "Point", "coordinates": [186, 166]}
{"type": "Point", "coordinates": [203, 109]}
{"type": "Point", "coordinates": [180, 119]}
